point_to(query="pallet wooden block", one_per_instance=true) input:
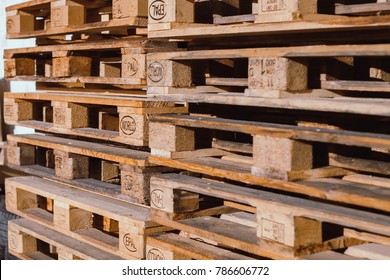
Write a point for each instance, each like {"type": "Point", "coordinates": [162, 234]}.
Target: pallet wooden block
{"type": "Point", "coordinates": [115, 171]}
{"type": "Point", "coordinates": [114, 64]}
{"type": "Point", "coordinates": [287, 226]}
{"type": "Point", "coordinates": [31, 241]}
{"type": "Point", "coordinates": [79, 214]}
{"type": "Point", "coordinates": [56, 17]}
{"type": "Point", "coordinates": [273, 72]}
{"type": "Point", "coordinates": [120, 119]}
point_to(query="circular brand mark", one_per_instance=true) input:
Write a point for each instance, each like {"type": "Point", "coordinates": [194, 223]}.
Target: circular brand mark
{"type": "Point", "coordinates": [10, 25]}
{"type": "Point", "coordinates": [155, 72]}
{"type": "Point", "coordinates": [13, 242]}
{"type": "Point", "coordinates": [156, 196]}
{"type": "Point", "coordinates": [129, 243]}
{"type": "Point", "coordinates": [155, 255]}
{"type": "Point", "coordinates": [132, 66]}
{"type": "Point", "coordinates": [128, 125]}
{"type": "Point", "coordinates": [158, 10]}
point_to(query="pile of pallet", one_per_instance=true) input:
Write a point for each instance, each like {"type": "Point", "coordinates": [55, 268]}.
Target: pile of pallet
{"type": "Point", "coordinates": [220, 129]}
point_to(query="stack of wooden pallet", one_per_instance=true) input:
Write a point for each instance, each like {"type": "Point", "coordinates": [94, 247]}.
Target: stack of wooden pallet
{"type": "Point", "coordinates": [264, 132]}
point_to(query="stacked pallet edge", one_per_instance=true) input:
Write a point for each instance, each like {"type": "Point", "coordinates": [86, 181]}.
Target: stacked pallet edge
{"type": "Point", "coordinates": [206, 130]}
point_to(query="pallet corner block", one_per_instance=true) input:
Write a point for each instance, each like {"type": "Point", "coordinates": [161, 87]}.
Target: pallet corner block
{"type": "Point", "coordinates": [173, 11]}
{"type": "Point", "coordinates": [284, 10]}
{"type": "Point", "coordinates": [125, 8]}
{"type": "Point", "coordinates": [276, 157]}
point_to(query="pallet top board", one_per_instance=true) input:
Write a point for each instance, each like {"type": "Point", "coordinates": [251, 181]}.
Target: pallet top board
{"type": "Point", "coordinates": [337, 23]}
{"type": "Point", "coordinates": [139, 44]}
{"type": "Point", "coordinates": [95, 203]}
{"type": "Point", "coordinates": [364, 195]}
{"type": "Point", "coordinates": [98, 99]}
{"type": "Point", "coordinates": [94, 27]}
{"type": "Point", "coordinates": [28, 5]}
{"type": "Point", "coordinates": [364, 106]}
{"type": "Point", "coordinates": [363, 9]}
{"type": "Point", "coordinates": [60, 241]}
{"type": "Point", "coordinates": [192, 248]}
{"type": "Point", "coordinates": [289, 52]}
{"type": "Point", "coordinates": [109, 153]}
{"type": "Point", "coordinates": [376, 223]}
{"type": "Point", "coordinates": [351, 138]}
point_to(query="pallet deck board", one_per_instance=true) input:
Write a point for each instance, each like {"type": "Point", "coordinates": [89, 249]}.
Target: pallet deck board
{"type": "Point", "coordinates": [60, 240]}
{"type": "Point", "coordinates": [110, 153]}
{"type": "Point", "coordinates": [362, 139]}
{"type": "Point", "coordinates": [214, 167]}
{"type": "Point", "coordinates": [253, 29]}
{"type": "Point", "coordinates": [317, 210]}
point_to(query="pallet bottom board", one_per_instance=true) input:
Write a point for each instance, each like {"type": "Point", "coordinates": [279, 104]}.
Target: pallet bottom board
{"type": "Point", "coordinates": [57, 240]}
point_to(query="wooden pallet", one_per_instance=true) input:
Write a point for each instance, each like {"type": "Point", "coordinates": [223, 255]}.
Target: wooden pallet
{"type": "Point", "coordinates": [282, 157]}
{"type": "Point", "coordinates": [120, 119]}
{"type": "Point", "coordinates": [111, 225]}
{"type": "Point", "coordinates": [205, 19]}
{"type": "Point", "coordinates": [306, 71]}
{"type": "Point", "coordinates": [43, 18]}
{"type": "Point", "coordinates": [109, 64]}
{"type": "Point", "coordinates": [115, 171]}
{"type": "Point", "coordinates": [170, 246]}
{"type": "Point", "coordinates": [287, 227]}
{"type": "Point", "coordinates": [31, 241]}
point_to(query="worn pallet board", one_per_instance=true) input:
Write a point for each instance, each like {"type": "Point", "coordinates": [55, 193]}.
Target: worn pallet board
{"type": "Point", "coordinates": [362, 106]}
{"type": "Point", "coordinates": [31, 241]}
{"type": "Point", "coordinates": [111, 225]}
{"type": "Point", "coordinates": [171, 246]}
{"type": "Point", "coordinates": [285, 72]}
{"type": "Point", "coordinates": [287, 226]}
{"type": "Point", "coordinates": [122, 172]}
{"type": "Point", "coordinates": [295, 169]}
{"type": "Point", "coordinates": [181, 14]}
{"type": "Point", "coordinates": [55, 17]}
{"type": "Point", "coordinates": [120, 119]}
{"type": "Point", "coordinates": [119, 63]}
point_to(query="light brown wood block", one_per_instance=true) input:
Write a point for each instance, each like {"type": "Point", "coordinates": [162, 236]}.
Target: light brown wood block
{"type": "Point", "coordinates": [267, 74]}
{"type": "Point", "coordinates": [17, 110]}
{"type": "Point", "coordinates": [19, 67]}
{"type": "Point", "coordinates": [163, 11]}
{"type": "Point", "coordinates": [72, 66]}
{"type": "Point", "coordinates": [287, 229]}
{"type": "Point", "coordinates": [67, 14]}
{"type": "Point", "coordinates": [136, 184]}
{"type": "Point", "coordinates": [275, 157]}
{"type": "Point", "coordinates": [71, 218]}
{"type": "Point", "coordinates": [20, 242]}
{"type": "Point", "coordinates": [108, 121]}
{"type": "Point", "coordinates": [133, 126]}
{"type": "Point", "coordinates": [20, 23]}
{"type": "Point", "coordinates": [165, 198]}
{"type": "Point", "coordinates": [110, 68]}
{"type": "Point", "coordinates": [126, 8]}
{"type": "Point", "coordinates": [20, 154]}
{"type": "Point", "coordinates": [134, 66]}
{"type": "Point", "coordinates": [71, 166]}
{"type": "Point", "coordinates": [285, 10]}
{"type": "Point", "coordinates": [131, 240]}
{"type": "Point", "coordinates": [69, 115]}
{"type": "Point", "coordinates": [169, 73]}
{"type": "Point", "coordinates": [171, 138]}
